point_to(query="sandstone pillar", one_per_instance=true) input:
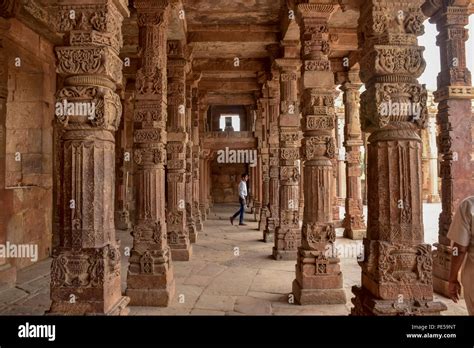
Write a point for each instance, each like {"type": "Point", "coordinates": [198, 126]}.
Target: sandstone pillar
{"type": "Point", "coordinates": [202, 117]}
{"type": "Point", "coordinates": [318, 276]}
{"type": "Point", "coordinates": [264, 213]}
{"type": "Point", "coordinates": [265, 159]}
{"type": "Point", "coordinates": [274, 162]}
{"type": "Point", "coordinates": [336, 214]}
{"type": "Point", "coordinates": [453, 96]}
{"type": "Point", "coordinates": [287, 233]}
{"type": "Point", "coordinates": [85, 270]}
{"type": "Point", "coordinates": [397, 265]}
{"type": "Point", "coordinates": [124, 165]}
{"type": "Point", "coordinates": [202, 186]}
{"type": "Point", "coordinates": [7, 272]}
{"type": "Point", "coordinates": [354, 225]}
{"type": "Point", "coordinates": [189, 186]}
{"type": "Point", "coordinates": [196, 164]}
{"type": "Point", "coordinates": [341, 164]}
{"type": "Point", "coordinates": [259, 184]}
{"type": "Point", "coordinates": [178, 232]}
{"type": "Point", "coordinates": [301, 188]}
{"type": "Point", "coordinates": [150, 280]}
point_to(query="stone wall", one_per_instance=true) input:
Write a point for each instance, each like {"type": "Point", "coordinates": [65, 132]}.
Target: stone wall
{"type": "Point", "coordinates": [225, 181]}
{"type": "Point", "coordinates": [26, 172]}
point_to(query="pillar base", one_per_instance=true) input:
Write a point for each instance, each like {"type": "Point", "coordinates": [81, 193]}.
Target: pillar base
{"type": "Point", "coordinates": [181, 254]}
{"type": "Point", "coordinates": [192, 230]}
{"type": "Point", "coordinates": [365, 304]}
{"type": "Point", "coordinates": [88, 308]}
{"type": "Point", "coordinates": [354, 234]}
{"type": "Point", "coordinates": [268, 236]}
{"type": "Point", "coordinates": [317, 296]}
{"type": "Point", "coordinates": [284, 255]}
{"type": "Point", "coordinates": [159, 296]}
{"type": "Point", "coordinates": [7, 275]}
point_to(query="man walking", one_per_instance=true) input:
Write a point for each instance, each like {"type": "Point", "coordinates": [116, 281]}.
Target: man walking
{"type": "Point", "coordinates": [242, 200]}
{"type": "Point", "coordinates": [461, 233]}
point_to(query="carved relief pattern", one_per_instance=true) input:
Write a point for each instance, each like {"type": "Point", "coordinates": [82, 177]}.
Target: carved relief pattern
{"type": "Point", "coordinates": [318, 150]}
{"type": "Point", "coordinates": [272, 105]}
{"type": "Point", "coordinates": [287, 234]}
{"type": "Point", "coordinates": [178, 232]}
{"type": "Point", "coordinates": [396, 262]}
{"type": "Point", "coordinates": [87, 259]}
{"type": "Point", "coordinates": [150, 254]}
{"type": "Point", "coordinates": [353, 219]}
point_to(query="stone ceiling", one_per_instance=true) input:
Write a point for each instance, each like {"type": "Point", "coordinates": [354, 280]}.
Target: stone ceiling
{"type": "Point", "coordinates": [217, 32]}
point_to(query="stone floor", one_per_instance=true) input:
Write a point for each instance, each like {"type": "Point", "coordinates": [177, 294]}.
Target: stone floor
{"type": "Point", "coordinates": [231, 273]}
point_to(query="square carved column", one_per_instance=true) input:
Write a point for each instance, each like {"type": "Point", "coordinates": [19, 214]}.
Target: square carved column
{"type": "Point", "coordinates": [354, 225]}
{"type": "Point", "coordinates": [273, 93]}
{"type": "Point", "coordinates": [85, 270]}
{"type": "Point", "coordinates": [288, 233]}
{"type": "Point", "coordinates": [397, 265]}
{"type": "Point", "coordinates": [318, 275]}
{"type": "Point", "coordinates": [178, 233]}
{"type": "Point", "coordinates": [150, 280]}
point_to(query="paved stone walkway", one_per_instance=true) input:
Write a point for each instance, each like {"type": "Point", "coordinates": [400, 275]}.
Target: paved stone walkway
{"type": "Point", "coordinates": [231, 273]}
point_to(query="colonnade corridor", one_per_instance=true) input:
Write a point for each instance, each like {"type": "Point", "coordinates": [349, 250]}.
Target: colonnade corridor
{"type": "Point", "coordinates": [232, 273]}
{"type": "Point", "coordinates": [129, 131]}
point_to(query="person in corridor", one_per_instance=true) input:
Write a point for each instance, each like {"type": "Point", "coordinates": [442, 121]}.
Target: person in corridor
{"type": "Point", "coordinates": [461, 234]}
{"type": "Point", "coordinates": [242, 200]}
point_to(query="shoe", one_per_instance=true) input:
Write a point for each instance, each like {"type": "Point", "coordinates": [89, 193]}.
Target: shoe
{"type": "Point", "coordinates": [231, 220]}
{"type": "Point", "coordinates": [242, 224]}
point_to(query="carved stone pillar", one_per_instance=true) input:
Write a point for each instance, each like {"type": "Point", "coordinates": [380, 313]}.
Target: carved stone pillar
{"type": "Point", "coordinates": [264, 213]}
{"type": "Point", "coordinates": [259, 187]}
{"type": "Point", "coordinates": [453, 96]}
{"type": "Point", "coordinates": [124, 165]}
{"type": "Point", "coordinates": [203, 199]}
{"type": "Point", "coordinates": [7, 272]}
{"type": "Point", "coordinates": [301, 189]}
{"type": "Point", "coordinates": [86, 263]}
{"type": "Point", "coordinates": [354, 225]}
{"type": "Point", "coordinates": [318, 276]}
{"type": "Point", "coordinates": [178, 232]}
{"type": "Point", "coordinates": [341, 164]}
{"type": "Point", "coordinates": [336, 214]}
{"type": "Point", "coordinates": [202, 186]}
{"type": "Point", "coordinates": [190, 214]}
{"type": "Point", "coordinates": [397, 265]}
{"type": "Point", "coordinates": [274, 160]}
{"type": "Point", "coordinates": [265, 159]}
{"type": "Point", "coordinates": [196, 163]}
{"type": "Point", "coordinates": [150, 280]}
{"type": "Point", "coordinates": [287, 233]}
